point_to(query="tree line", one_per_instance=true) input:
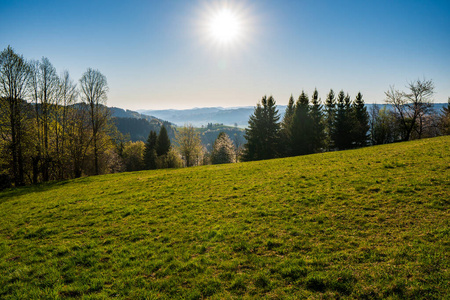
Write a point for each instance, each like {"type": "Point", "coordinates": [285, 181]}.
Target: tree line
{"type": "Point", "coordinates": [137, 129]}
{"type": "Point", "coordinates": [310, 125]}
{"type": "Point", "coordinates": [187, 150]}
{"type": "Point", "coordinates": [50, 127]}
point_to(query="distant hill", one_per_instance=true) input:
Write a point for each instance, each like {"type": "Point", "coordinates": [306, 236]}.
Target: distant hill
{"type": "Point", "coordinates": [202, 116]}
{"type": "Point", "coordinates": [209, 120]}
{"type": "Point", "coordinates": [210, 132]}
{"type": "Point", "coordinates": [371, 223]}
{"type": "Point", "coordinates": [227, 116]}
{"type": "Point", "coordinates": [137, 126]}
{"type": "Point", "coordinates": [125, 113]}
{"type": "Point", "coordinates": [138, 129]}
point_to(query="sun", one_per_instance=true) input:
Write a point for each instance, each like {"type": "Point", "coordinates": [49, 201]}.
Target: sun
{"type": "Point", "coordinates": [225, 26]}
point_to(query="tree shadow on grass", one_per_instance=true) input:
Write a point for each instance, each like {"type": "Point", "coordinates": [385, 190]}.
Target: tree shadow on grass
{"type": "Point", "coordinates": [11, 193]}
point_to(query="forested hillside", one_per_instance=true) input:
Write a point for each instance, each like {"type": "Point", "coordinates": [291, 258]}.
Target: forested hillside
{"type": "Point", "coordinates": [139, 129]}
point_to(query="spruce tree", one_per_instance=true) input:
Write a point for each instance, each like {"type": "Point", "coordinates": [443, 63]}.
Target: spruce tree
{"type": "Point", "coordinates": [330, 115]}
{"type": "Point", "coordinates": [318, 128]}
{"type": "Point", "coordinates": [150, 151]}
{"type": "Point", "coordinates": [338, 129]}
{"type": "Point", "coordinates": [361, 128]}
{"type": "Point", "coordinates": [272, 129]}
{"type": "Point", "coordinates": [344, 123]}
{"type": "Point", "coordinates": [290, 109]}
{"type": "Point", "coordinates": [253, 135]}
{"type": "Point", "coordinates": [163, 142]}
{"type": "Point", "coordinates": [301, 129]}
{"type": "Point", "coordinates": [286, 124]}
{"type": "Point", "coordinates": [262, 134]}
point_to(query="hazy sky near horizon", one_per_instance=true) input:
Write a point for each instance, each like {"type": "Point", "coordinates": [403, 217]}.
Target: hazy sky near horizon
{"type": "Point", "coordinates": [160, 54]}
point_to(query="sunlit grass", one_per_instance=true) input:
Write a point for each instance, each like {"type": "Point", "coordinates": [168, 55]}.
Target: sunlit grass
{"type": "Point", "coordinates": [369, 223]}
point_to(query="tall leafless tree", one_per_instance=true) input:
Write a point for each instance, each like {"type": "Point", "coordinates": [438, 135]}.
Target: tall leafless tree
{"type": "Point", "coordinates": [94, 88]}
{"type": "Point", "coordinates": [67, 96]}
{"type": "Point", "coordinates": [48, 82]}
{"type": "Point", "coordinates": [78, 138]}
{"type": "Point", "coordinates": [35, 96]}
{"type": "Point", "coordinates": [189, 144]}
{"type": "Point", "coordinates": [411, 107]}
{"type": "Point", "coordinates": [14, 76]}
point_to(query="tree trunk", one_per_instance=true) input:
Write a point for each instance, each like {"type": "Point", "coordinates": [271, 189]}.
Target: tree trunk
{"type": "Point", "coordinates": [14, 143]}
{"type": "Point", "coordinates": [96, 155]}
{"type": "Point", "coordinates": [35, 162]}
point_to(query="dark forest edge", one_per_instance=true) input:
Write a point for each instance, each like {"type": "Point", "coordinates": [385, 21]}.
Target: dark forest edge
{"type": "Point", "coordinates": [310, 126]}
{"type": "Point", "coordinates": [54, 129]}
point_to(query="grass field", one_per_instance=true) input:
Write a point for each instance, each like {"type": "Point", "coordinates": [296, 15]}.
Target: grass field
{"type": "Point", "coordinates": [370, 223]}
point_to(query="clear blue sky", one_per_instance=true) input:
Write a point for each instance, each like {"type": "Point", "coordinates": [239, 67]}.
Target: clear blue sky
{"type": "Point", "coordinates": [156, 55]}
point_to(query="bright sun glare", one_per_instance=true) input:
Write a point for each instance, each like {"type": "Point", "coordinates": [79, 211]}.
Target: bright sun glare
{"type": "Point", "coordinates": [224, 26]}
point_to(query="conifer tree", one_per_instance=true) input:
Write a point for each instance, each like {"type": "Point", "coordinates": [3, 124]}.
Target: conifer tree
{"type": "Point", "coordinates": [301, 130]}
{"type": "Point", "coordinates": [286, 124]}
{"type": "Point", "coordinates": [272, 126]}
{"type": "Point", "coordinates": [361, 128]}
{"type": "Point", "coordinates": [289, 114]}
{"type": "Point", "coordinates": [330, 115]}
{"type": "Point", "coordinates": [343, 125]}
{"type": "Point", "coordinates": [150, 154]}
{"type": "Point", "coordinates": [163, 142]}
{"type": "Point", "coordinates": [337, 130]}
{"type": "Point", "coordinates": [254, 135]}
{"type": "Point", "coordinates": [318, 133]}
{"type": "Point", "coordinates": [263, 132]}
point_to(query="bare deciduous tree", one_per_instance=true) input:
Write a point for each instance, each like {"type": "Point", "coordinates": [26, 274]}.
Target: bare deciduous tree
{"type": "Point", "coordinates": [412, 106]}
{"type": "Point", "coordinates": [78, 138]}
{"type": "Point", "coordinates": [67, 96]}
{"type": "Point", "coordinates": [14, 76]}
{"type": "Point", "coordinates": [48, 81]}
{"type": "Point", "coordinates": [189, 144]}
{"type": "Point", "coordinates": [94, 88]}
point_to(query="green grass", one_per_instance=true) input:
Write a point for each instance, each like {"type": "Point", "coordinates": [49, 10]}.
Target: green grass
{"type": "Point", "coordinates": [370, 224]}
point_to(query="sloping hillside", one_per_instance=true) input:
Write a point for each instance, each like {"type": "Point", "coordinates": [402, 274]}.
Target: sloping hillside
{"type": "Point", "coordinates": [369, 223]}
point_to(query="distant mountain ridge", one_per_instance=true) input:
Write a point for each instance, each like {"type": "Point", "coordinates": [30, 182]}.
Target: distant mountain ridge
{"type": "Point", "coordinates": [202, 116]}
{"type": "Point", "coordinates": [227, 116]}
{"type": "Point", "coordinates": [137, 126]}
{"type": "Point", "coordinates": [117, 112]}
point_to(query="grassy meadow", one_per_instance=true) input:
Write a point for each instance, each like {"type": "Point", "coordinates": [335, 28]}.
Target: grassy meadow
{"type": "Point", "coordinates": [371, 223]}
